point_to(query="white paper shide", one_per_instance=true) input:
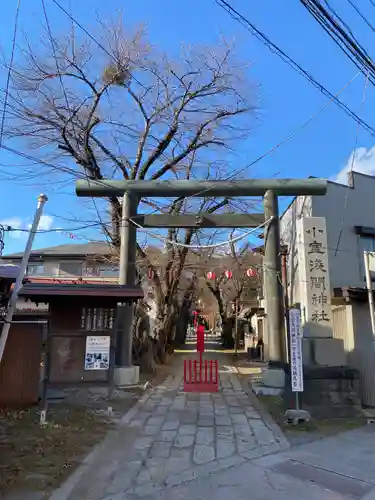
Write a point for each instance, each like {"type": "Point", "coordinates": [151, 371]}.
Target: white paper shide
{"type": "Point", "coordinates": [296, 363]}
{"type": "Point", "coordinates": [97, 352]}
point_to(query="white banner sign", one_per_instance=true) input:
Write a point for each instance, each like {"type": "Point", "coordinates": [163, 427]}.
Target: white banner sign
{"type": "Point", "coordinates": [97, 353]}
{"type": "Point", "coordinates": [296, 366]}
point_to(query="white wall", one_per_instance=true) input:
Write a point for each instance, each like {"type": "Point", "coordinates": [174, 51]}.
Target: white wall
{"type": "Point", "coordinates": [343, 207]}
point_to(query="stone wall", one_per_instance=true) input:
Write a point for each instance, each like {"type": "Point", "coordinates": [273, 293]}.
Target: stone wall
{"type": "Point", "coordinates": [331, 392]}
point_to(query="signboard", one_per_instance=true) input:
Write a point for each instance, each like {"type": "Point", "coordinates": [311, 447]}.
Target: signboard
{"type": "Point", "coordinates": [97, 353]}
{"type": "Point", "coordinates": [296, 365]}
{"type": "Point", "coordinates": [315, 288]}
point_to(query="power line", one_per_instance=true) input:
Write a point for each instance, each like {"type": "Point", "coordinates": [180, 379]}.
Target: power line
{"type": "Point", "coordinates": [341, 35]}
{"type": "Point", "coordinates": [351, 168]}
{"type": "Point", "coordinates": [239, 17]}
{"type": "Point", "coordinates": [235, 14]}
{"type": "Point", "coordinates": [332, 98]}
{"type": "Point", "coordinates": [298, 129]}
{"type": "Point", "coordinates": [100, 45]}
{"type": "Point", "coordinates": [15, 29]}
{"type": "Point", "coordinates": [9, 228]}
{"type": "Point", "coordinates": [67, 102]}
{"type": "Point", "coordinates": [104, 49]}
{"type": "Point", "coordinates": [362, 15]}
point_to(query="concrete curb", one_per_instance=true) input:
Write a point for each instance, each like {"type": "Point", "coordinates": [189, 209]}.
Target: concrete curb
{"type": "Point", "coordinates": [63, 492]}
{"type": "Point", "coordinates": [283, 441]}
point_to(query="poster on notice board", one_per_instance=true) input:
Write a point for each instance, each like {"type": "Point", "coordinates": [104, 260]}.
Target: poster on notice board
{"type": "Point", "coordinates": [97, 352]}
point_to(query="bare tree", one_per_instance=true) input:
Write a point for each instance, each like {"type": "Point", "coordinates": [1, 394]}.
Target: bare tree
{"type": "Point", "coordinates": [125, 110]}
{"type": "Point", "coordinates": [234, 291]}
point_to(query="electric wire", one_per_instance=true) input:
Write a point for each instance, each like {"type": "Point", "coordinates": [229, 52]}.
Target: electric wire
{"type": "Point", "coordinates": [9, 73]}
{"type": "Point", "coordinates": [67, 101]}
{"type": "Point", "coordinates": [92, 38]}
{"type": "Point", "coordinates": [236, 15]}
{"type": "Point", "coordinates": [351, 168]}
{"type": "Point", "coordinates": [332, 99]}
{"type": "Point", "coordinates": [341, 34]}
{"type": "Point", "coordinates": [363, 17]}
{"type": "Point", "coordinates": [237, 172]}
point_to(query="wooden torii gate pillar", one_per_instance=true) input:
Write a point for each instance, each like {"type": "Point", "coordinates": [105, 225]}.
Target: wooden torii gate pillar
{"type": "Point", "coordinates": [131, 191]}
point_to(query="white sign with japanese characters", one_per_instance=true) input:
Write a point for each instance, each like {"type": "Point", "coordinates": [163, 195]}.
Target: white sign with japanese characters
{"type": "Point", "coordinates": [296, 364]}
{"type": "Point", "coordinates": [315, 288]}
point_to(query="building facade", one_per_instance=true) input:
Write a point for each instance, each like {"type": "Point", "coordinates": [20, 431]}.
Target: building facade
{"type": "Point", "coordinates": [93, 261]}
{"type": "Point", "coordinates": [349, 212]}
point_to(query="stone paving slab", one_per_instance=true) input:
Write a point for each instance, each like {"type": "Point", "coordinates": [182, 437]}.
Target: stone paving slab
{"type": "Point", "coordinates": [245, 482]}
{"type": "Point", "coordinates": [335, 468]}
{"type": "Point", "coordinates": [171, 437]}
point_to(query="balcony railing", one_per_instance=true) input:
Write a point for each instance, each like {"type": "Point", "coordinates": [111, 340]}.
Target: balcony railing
{"type": "Point", "coordinates": [65, 276]}
{"type": "Point", "coordinates": [85, 273]}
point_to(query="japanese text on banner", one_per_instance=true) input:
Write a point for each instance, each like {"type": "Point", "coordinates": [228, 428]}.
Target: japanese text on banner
{"type": "Point", "coordinates": [296, 362]}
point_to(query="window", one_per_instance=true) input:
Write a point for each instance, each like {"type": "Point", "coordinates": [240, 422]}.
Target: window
{"type": "Point", "coordinates": [110, 271]}
{"type": "Point", "coordinates": [70, 269]}
{"type": "Point", "coordinates": [97, 319]}
{"type": "Point", "coordinates": [35, 270]}
{"type": "Point", "coordinates": [368, 245]}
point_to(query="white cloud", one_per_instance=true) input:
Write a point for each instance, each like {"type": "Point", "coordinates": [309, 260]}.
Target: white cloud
{"type": "Point", "coordinates": [14, 223]}
{"type": "Point", "coordinates": [46, 223]}
{"type": "Point", "coordinates": [364, 162]}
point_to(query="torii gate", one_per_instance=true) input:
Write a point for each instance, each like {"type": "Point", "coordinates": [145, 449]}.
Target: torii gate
{"type": "Point", "coordinates": [131, 191]}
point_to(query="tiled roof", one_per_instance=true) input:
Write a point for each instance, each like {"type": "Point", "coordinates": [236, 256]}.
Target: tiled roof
{"type": "Point", "coordinates": [45, 291]}
{"type": "Point", "coordinates": [71, 250]}
{"type": "Point", "coordinates": [9, 272]}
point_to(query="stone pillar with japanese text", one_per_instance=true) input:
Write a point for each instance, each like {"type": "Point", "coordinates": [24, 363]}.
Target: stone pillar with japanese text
{"type": "Point", "coordinates": [320, 348]}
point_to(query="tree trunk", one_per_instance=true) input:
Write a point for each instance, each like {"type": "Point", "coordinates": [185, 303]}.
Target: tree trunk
{"type": "Point", "coordinates": [227, 333]}
{"type": "Point", "coordinates": [182, 322]}
{"type": "Point", "coordinates": [164, 327]}
{"type": "Point", "coordinates": [147, 358]}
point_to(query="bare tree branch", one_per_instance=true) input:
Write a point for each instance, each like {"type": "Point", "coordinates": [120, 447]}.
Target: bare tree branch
{"type": "Point", "coordinates": [138, 115]}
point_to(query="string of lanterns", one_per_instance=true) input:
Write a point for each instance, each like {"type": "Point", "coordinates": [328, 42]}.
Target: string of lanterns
{"type": "Point", "coordinates": [250, 273]}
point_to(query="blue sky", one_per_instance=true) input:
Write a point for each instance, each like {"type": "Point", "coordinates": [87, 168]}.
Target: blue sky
{"type": "Point", "coordinates": [287, 100]}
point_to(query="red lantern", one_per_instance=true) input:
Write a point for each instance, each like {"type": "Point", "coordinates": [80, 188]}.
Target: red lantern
{"type": "Point", "coordinates": [211, 275]}
{"type": "Point", "coordinates": [251, 273]}
{"type": "Point", "coordinates": [228, 274]}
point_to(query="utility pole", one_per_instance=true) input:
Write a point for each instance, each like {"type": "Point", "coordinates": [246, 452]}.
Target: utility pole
{"type": "Point", "coordinates": [369, 291]}
{"type": "Point", "coordinates": [21, 274]}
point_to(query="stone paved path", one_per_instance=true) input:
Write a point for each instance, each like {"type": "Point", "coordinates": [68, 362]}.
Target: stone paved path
{"type": "Point", "coordinates": [171, 437]}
